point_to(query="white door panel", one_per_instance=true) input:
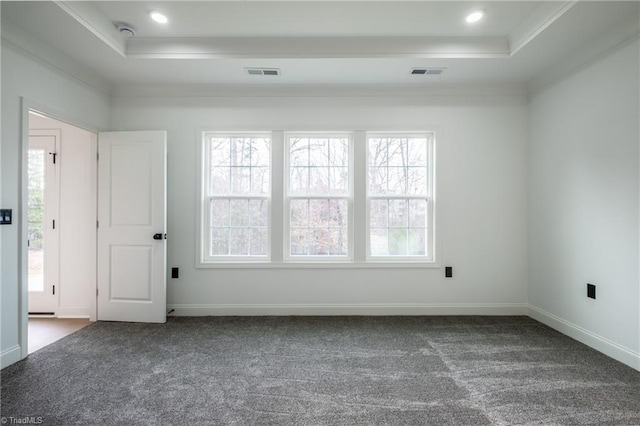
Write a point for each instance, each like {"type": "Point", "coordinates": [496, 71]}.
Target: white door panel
{"type": "Point", "coordinates": [131, 210]}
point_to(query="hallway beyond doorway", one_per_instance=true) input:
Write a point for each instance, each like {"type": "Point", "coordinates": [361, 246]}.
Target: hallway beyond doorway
{"type": "Point", "coordinates": [44, 331]}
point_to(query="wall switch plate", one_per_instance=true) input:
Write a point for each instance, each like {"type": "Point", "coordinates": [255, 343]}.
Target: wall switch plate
{"type": "Point", "coordinates": [448, 271]}
{"type": "Point", "coordinates": [591, 291]}
{"type": "Point", "coordinates": [5, 216]}
{"type": "Point", "coordinates": [175, 272]}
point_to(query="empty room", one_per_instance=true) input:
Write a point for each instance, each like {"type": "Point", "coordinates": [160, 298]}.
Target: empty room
{"type": "Point", "coordinates": [320, 212]}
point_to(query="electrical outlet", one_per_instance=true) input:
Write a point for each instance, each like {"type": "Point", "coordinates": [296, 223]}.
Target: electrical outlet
{"type": "Point", "coordinates": [175, 272]}
{"type": "Point", "coordinates": [591, 291]}
{"type": "Point", "coordinates": [448, 271]}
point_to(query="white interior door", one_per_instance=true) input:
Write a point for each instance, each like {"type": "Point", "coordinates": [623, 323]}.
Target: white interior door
{"type": "Point", "coordinates": [132, 226]}
{"type": "Point", "coordinates": [42, 215]}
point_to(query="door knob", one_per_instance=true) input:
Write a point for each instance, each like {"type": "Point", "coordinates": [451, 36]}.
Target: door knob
{"type": "Point", "coordinates": [159, 236]}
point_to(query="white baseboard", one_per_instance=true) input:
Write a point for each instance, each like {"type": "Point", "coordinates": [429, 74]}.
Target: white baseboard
{"type": "Point", "coordinates": [10, 356]}
{"type": "Point", "coordinates": [73, 312]}
{"type": "Point", "coordinates": [599, 343]}
{"type": "Point", "coordinates": [345, 309]}
{"type": "Point", "coordinates": [73, 316]}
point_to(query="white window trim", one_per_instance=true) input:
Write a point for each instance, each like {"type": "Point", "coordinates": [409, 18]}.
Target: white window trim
{"type": "Point", "coordinates": [206, 260]}
{"type": "Point", "coordinates": [287, 257]}
{"type": "Point", "coordinates": [278, 233]}
{"type": "Point", "coordinates": [431, 137]}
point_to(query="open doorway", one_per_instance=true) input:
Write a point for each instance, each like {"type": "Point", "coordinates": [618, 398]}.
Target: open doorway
{"type": "Point", "coordinates": [61, 228]}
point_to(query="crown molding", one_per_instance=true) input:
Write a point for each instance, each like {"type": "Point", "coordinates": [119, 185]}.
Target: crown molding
{"type": "Point", "coordinates": [317, 47]}
{"type": "Point", "coordinates": [25, 44]}
{"type": "Point", "coordinates": [407, 91]}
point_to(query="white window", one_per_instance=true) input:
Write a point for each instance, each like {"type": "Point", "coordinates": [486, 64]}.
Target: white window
{"type": "Point", "coordinates": [400, 196]}
{"type": "Point", "coordinates": [236, 197]}
{"type": "Point", "coordinates": [318, 197]}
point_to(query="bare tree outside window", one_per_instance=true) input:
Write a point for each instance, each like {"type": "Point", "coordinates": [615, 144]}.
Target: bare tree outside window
{"type": "Point", "coordinates": [398, 195]}
{"type": "Point", "coordinates": [318, 195]}
{"type": "Point", "coordinates": [237, 195]}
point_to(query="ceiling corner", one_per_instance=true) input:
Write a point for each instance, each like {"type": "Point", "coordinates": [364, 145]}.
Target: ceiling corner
{"type": "Point", "coordinates": [544, 15]}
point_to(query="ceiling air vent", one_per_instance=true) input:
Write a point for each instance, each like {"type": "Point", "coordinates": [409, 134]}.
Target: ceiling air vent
{"type": "Point", "coordinates": [262, 71]}
{"type": "Point", "coordinates": [427, 71]}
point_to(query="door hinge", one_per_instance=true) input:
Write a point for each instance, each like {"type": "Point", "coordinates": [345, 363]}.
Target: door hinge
{"type": "Point", "coordinates": [97, 224]}
{"type": "Point", "coordinates": [96, 292]}
{"type": "Point", "coordinates": [54, 224]}
{"type": "Point", "coordinates": [54, 290]}
{"type": "Point", "coordinates": [98, 156]}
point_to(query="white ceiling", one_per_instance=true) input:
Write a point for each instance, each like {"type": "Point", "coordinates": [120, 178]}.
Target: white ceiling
{"type": "Point", "coordinates": [325, 42]}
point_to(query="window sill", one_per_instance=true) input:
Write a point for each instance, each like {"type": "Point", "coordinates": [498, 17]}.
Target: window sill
{"type": "Point", "coordinates": [319, 265]}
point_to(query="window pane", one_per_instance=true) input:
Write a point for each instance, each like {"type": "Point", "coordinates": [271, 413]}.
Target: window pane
{"type": "Point", "coordinates": [239, 213]}
{"type": "Point", "coordinates": [417, 241]}
{"type": "Point", "coordinates": [338, 242]}
{"type": "Point", "coordinates": [339, 152]}
{"type": "Point", "coordinates": [258, 212]}
{"type": "Point", "coordinates": [241, 180]}
{"type": "Point", "coordinates": [378, 242]}
{"type": "Point", "coordinates": [397, 180]}
{"type": "Point", "coordinates": [319, 165]}
{"type": "Point", "coordinates": [397, 152]}
{"type": "Point", "coordinates": [238, 242]}
{"type": "Point", "coordinates": [319, 152]}
{"type": "Point", "coordinates": [318, 180]}
{"type": "Point", "coordinates": [399, 167]}
{"type": "Point", "coordinates": [339, 180]}
{"type": "Point", "coordinates": [400, 170]}
{"type": "Point", "coordinates": [398, 213]}
{"type": "Point", "coordinates": [378, 180]}
{"type": "Point", "coordinates": [36, 218]}
{"type": "Point", "coordinates": [219, 213]}
{"type": "Point", "coordinates": [319, 244]}
{"type": "Point", "coordinates": [416, 181]}
{"type": "Point", "coordinates": [219, 181]}
{"type": "Point", "coordinates": [338, 214]}
{"type": "Point", "coordinates": [241, 151]}
{"type": "Point", "coordinates": [378, 213]}
{"type": "Point", "coordinates": [299, 213]}
{"type": "Point", "coordinates": [219, 149]}
{"type": "Point", "coordinates": [299, 180]}
{"type": "Point", "coordinates": [219, 242]}
{"type": "Point", "coordinates": [260, 180]}
{"type": "Point", "coordinates": [258, 241]}
{"type": "Point", "coordinates": [299, 242]}
{"type": "Point", "coordinates": [377, 152]}
{"type": "Point", "coordinates": [318, 213]}
{"type": "Point", "coordinates": [237, 165]}
{"type": "Point", "coordinates": [397, 241]}
{"type": "Point", "coordinates": [417, 213]}
{"type": "Point", "coordinates": [418, 152]}
{"type": "Point", "coordinates": [319, 227]}
{"type": "Point", "coordinates": [260, 154]}
{"type": "Point", "coordinates": [299, 152]}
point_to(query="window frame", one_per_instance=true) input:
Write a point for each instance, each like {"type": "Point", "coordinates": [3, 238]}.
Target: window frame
{"type": "Point", "coordinates": [430, 244]}
{"type": "Point", "coordinates": [203, 232]}
{"type": "Point", "coordinates": [288, 197]}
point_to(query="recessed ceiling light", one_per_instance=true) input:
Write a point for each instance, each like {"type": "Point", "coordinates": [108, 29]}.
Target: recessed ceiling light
{"type": "Point", "coordinates": [474, 16]}
{"type": "Point", "coordinates": [159, 17]}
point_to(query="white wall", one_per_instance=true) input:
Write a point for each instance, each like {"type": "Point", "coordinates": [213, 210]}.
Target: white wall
{"type": "Point", "coordinates": [481, 204]}
{"type": "Point", "coordinates": [77, 222]}
{"type": "Point", "coordinates": [584, 198]}
{"type": "Point", "coordinates": [42, 85]}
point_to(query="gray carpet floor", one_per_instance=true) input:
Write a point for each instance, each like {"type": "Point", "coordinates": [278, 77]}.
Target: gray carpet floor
{"type": "Point", "coordinates": [321, 370]}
